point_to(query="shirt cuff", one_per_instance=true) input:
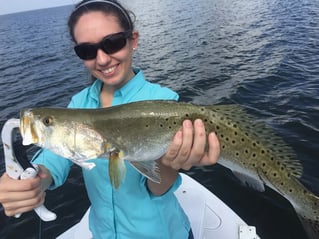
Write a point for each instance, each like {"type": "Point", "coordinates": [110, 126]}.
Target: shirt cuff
{"type": "Point", "coordinates": [58, 167]}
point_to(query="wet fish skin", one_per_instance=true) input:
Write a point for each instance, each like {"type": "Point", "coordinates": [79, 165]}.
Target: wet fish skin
{"type": "Point", "coordinates": [140, 132]}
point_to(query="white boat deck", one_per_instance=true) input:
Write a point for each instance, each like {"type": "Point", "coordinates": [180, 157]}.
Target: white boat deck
{"type": "Point", "coordinates": [209, 216]}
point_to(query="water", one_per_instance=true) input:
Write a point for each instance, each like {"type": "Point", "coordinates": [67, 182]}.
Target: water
{"type": "Point", "coordinates": [259, 54]}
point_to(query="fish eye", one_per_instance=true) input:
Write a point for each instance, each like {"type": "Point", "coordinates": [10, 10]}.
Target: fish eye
{"type": "Point", "coordinates": [47, 121]}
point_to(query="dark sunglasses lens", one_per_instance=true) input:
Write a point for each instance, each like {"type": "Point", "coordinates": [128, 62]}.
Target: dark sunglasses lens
{"type": "Point", "coordinates": [86, 51]}
{"type": "Point", "coordinates": [109, 45]}
{"type": "Point", "coordinates": [114, 43]}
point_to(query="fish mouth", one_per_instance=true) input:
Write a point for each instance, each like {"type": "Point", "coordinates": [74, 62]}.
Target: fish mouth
{"type": "Point", "coordinates": [27, 129]}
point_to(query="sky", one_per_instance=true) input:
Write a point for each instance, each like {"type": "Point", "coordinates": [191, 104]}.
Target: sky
{"type": "Point", "coordinates": [11, 6]}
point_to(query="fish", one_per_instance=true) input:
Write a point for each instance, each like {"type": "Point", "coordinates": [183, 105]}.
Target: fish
{"type": "Point", "coordinates": [140, 132]}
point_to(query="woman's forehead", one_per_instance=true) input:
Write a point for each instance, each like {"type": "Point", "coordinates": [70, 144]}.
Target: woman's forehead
{"type": "Point", "coordinates": [93, 26]}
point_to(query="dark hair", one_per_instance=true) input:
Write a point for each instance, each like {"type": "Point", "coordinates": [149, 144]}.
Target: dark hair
{"type": "Point", "coordinates": [108, 7]}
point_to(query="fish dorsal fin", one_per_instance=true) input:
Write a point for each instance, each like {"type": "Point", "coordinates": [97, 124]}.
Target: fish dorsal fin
{"type": "Point", "coordinates": [261, 133]}
{"type": "Point", "coordinates": [148, 168]}
{"type": "Point", "coordinates": [251, 181]}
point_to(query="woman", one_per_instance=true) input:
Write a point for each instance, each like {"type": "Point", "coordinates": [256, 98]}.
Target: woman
{"type": "Point", "coordinates": [105, 40]}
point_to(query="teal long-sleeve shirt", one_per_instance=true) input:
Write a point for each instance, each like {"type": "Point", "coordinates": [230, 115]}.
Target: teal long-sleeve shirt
{"type": "Point", "coordinates": [130, 211]}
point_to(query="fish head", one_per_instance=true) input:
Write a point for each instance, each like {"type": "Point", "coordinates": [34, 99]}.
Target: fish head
{"type": "Point", "coordinates": [35, 127]}
{"type": "Point", "coordinates": [61, 132]}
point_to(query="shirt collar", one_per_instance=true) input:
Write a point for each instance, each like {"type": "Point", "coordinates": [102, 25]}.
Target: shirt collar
{"type": "Point", "coordinates": [128, 90]}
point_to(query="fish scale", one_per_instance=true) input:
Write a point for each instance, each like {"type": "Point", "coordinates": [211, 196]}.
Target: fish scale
{"type": "Point", "coordinates": [140, 132]}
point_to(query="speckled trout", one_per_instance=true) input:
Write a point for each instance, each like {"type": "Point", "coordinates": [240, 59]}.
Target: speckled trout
{"type": "Point", "coordinates": [141, 132]}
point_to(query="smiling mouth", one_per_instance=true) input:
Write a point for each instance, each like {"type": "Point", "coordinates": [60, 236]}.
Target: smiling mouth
{"type": "Point", "coordinates": [109, 70]}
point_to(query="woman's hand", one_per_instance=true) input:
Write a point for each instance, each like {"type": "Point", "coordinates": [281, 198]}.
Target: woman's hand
{"type": "Point", "coordinates": [18, 196]}
{"type": "Point", "coordinates": [188, 147]}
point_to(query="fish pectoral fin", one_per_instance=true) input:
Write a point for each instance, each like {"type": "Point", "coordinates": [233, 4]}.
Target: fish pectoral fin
{"type": "Point", "coordinates": [117, 169]}
{"type": "Point", "coordinates": [83, 164]}
{"type": "Point", "coordinates": [149, 169]}
{"type": "Point", "coordinates": [252, 181]}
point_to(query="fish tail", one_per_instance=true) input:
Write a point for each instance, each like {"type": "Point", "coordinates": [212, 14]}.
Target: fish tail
{"type": "Point", "coordinates": [117, 169]}
{"type": "Point", "coordinates": [310, 226]}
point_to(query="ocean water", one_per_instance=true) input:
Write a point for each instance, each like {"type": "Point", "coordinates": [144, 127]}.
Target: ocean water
{"type": "Point", "coordinates": [262, 55]}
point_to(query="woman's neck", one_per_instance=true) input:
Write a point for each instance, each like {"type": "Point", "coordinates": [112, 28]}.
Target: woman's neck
{"type": "Point", "coordinates": [107, 91]}
{"type": "Point", "coordinates": [106, 96]}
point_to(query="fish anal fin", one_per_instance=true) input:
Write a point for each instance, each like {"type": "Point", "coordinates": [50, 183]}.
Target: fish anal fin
{"type": "Point", "coordinates": [117, 169]}
{"type": "Point", "coordinates": [252, 181]}
{"type": "Point", "coordinates": [149, 169]}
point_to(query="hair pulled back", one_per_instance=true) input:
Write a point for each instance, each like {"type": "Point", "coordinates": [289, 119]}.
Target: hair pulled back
{"type": "Point", "coordinates": [108, 7]}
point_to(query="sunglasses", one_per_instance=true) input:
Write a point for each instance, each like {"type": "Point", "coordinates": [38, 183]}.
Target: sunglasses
{"type": "Point", "coordinates": [110, 44]}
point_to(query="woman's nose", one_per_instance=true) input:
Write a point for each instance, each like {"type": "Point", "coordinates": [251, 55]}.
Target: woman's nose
{"type": "Point", "coordinates": [102, 58]}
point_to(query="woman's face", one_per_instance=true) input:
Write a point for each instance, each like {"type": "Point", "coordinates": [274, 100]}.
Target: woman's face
{"type": "Point", "coordinates": [114, 69]}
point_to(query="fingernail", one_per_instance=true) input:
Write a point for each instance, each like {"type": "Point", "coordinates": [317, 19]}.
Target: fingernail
{"type": "Point", "coordinates": [212, 135]}
{"type": "Point", "coordinates": [187, 123]}
{"type": "Point", "coordinates": [199, 122]}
